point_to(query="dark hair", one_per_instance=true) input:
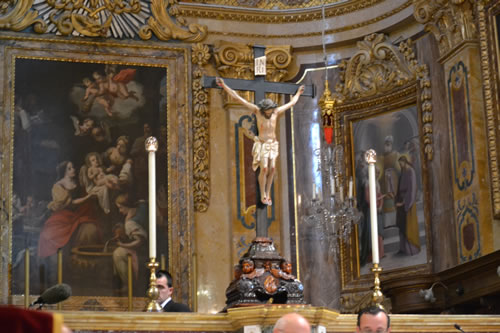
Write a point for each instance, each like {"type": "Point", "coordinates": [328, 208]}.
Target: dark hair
{"type": "Point", "coordinates": [373, 310]}
{"type": "Point", "coordinates": [266, 104]}
{"type": "Point", "coordinates": [61, 169]}
{"type": "Point", "coordinates": [162, 273]}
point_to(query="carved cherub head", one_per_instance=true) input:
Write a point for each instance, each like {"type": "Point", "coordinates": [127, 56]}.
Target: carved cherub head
{"type": "Point", "coordinates": [286, 267]}
{"type": "Point", "coordinates": [247, 266]}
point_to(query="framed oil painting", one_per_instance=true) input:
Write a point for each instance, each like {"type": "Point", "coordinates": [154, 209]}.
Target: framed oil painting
{"type": "Point", "coordinates": [395, 137]}
{"type": "Point", "coordinates": [79, 173]}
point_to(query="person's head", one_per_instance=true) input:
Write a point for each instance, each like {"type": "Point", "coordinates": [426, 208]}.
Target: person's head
{"type": "Point", "coordinates": [403, 162]}
{"type": "Point", "coordinates": [93, 159]}
{"type": "Point", "coordinates": [87, 124]}
{"type": "Point", "coordinates": [121, 144]}
{"type": "Point", "coordinates": [87, 82]}
{"type": "Point", "coordinates": [97, 76]}
{"type": "Point", "coordinates": [164, 285]}
{"type": "Point", "coordinates": [292, 323]}
{"type": "Point", "coordinates": [147, 130]}
{"type": "Point", "coordinates": [266, 107]}
{"type": "Point", "coordinates": [286, 267]}
{"type": "Point", "coordinates": [247, 266]}
{"type": "Point", "coordinates": [373, 320]}
{"type": "Point", "coordinates": [389, 140]}
{"type": "Point", "coordinates": [65, 169]}
{"type": "Point", "coordinates": [123, 203]}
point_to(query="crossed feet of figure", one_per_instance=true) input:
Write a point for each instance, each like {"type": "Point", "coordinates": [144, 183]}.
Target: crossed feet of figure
{"type": "Point", "coordinates": [266, 201]}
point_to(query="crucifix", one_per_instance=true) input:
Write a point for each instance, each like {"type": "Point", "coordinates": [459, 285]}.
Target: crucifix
{"type": "Point", "coordinates": [265, 149]}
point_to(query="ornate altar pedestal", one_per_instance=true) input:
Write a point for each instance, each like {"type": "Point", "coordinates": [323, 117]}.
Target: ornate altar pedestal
{"type": "Point", "coordinates": [263, 276]}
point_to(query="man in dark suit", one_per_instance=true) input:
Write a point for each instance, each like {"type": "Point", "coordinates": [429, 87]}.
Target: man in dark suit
{"type": "Point", "coordinates": [165, 290]}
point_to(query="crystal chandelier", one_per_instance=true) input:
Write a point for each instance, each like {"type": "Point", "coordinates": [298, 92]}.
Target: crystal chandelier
{"type": "Point", "coordinates": [335, 216]}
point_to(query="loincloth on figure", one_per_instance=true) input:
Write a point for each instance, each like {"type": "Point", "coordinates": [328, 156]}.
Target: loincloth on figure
{"type": "Point", "coordinates": [264, 153]}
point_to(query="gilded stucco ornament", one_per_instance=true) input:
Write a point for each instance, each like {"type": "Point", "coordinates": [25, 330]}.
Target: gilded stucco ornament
{"type": "Point", "coordinates": [165, 12]}
{"type": "Point", "coordinates": [17, 15]}
{"type": "Point", "coordinates": [200, 55]}
{"type": "Point", "coordinates": [103, 18]}
{"type": "Point", "coordinates": [378, 70]}
{"type": "Point", "coordinates": [451, 21]}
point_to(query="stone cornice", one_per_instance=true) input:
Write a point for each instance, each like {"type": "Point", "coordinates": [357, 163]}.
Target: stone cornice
{"type": "Point", "coordinates": [274, 16]}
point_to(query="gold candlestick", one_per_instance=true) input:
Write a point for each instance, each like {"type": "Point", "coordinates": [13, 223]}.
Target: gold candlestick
{"type": "Point", "coordinates": [152, 293]}
{"type": "Point", "coordinates": [377, 296]}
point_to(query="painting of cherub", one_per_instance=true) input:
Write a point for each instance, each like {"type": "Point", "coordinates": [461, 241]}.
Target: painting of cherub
{"type": "Point", "coordinates": [111, 92]}
{"type": "Point", "coordinates": [72, 163]}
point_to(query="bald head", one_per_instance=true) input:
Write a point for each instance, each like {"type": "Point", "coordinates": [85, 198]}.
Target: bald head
{"type": "Point", "coordinates": [292, 323]}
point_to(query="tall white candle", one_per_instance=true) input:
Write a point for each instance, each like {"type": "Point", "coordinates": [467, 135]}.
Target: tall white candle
{"type": "Point", "coordinates": [350, 188]}
{"type": "Point", "coordinates": [341, 192]}
{"type": "Point", "coordinates": [332, 186]}
{"type": "Point", "coordinates": [314, 191]}
{"type": "Point", "coordinates": [151, 147]}
{"type": "Point", "coordinates": [371, 159]}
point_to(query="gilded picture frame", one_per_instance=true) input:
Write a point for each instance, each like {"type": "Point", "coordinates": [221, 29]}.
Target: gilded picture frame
{"type": "Point", "coordinates": [389, 121]}
{"type": "Point", "coordinates": [384, 87]}
{"type": "Point", "coordinates": [489, 38]}
{"type": "Point", "coordinates": [70, 103]}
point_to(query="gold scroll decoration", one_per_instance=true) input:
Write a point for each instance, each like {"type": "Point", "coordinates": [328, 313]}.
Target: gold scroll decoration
{"type": "Point", "coordinates": [17, 15]}
{"type": "Point", "coordinates": [200, 54]}
{"type": "Point", "coordinates": [164, 28]}
{"type": "Point", "coordinates": [103, 18]}
{"type": "Point", "coordinates": [379, 68]}
{"type": "Point", "coordinates": [451, 21]}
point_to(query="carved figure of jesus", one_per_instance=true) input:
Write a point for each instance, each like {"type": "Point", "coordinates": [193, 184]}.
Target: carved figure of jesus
{"type": "Point", "coordinates": [266, 146]}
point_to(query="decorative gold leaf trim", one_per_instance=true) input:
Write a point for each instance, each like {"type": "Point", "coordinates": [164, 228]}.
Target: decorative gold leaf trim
{"type": "Point", "coordinates": [490, 91]}
{"type": "Point", "coordinates": [451, 21]}
{"type": "Point", "coordinates": [379, 69]}
{"type": "Point", "coordinates": [20, 17]}
{"type": "Point", "coordinates": [164, 28]}
{"type": "Point", "coordinates": [200, 55]}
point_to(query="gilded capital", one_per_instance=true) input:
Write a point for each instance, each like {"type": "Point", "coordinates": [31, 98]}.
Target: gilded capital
{"type": "Point", "coordinates": [451, 21]}
{"type": "Point", "coordinates": [278, 59]}
{"type": "Point", "coordinates": [234, 60]}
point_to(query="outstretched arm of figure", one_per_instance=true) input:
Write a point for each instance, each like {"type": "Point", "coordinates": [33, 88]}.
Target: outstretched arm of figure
{"type": "Point", "coordinates": [252, 107]}
{"type": "Point", "coordinates": [136, 241]}
{"type": "Point", "coordinates": [292, 102]}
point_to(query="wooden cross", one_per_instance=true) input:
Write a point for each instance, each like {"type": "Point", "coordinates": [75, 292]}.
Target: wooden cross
{"type": "Point", "coordinates": [260, 87]}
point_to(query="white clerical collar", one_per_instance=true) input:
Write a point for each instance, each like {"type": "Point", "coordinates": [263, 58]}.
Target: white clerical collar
{"type": "Point", "coordinates": [165, 302]}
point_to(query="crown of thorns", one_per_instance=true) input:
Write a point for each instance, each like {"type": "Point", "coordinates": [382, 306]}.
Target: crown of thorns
{"type": "Point", "coordinates": [266, 104]}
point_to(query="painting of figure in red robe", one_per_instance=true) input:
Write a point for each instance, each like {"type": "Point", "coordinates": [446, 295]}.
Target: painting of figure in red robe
{"type": "Point", "coordinates": [80, 173]}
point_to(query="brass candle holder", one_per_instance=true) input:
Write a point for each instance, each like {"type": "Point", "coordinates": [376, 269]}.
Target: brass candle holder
{"type": "Point", "coordinates": [152, 292]}
{"type": "Point", "coordinates": [377, 296]}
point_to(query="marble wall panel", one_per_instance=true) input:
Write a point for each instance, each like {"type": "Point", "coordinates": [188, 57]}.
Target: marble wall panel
{"type": "Point", "coordinates": [443, 242]}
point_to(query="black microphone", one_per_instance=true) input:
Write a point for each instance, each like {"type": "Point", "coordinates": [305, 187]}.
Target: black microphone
{"type": "Point", "coordinates": [459, 328]}
{"type": "Point", "coordinates": [54, 295]}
